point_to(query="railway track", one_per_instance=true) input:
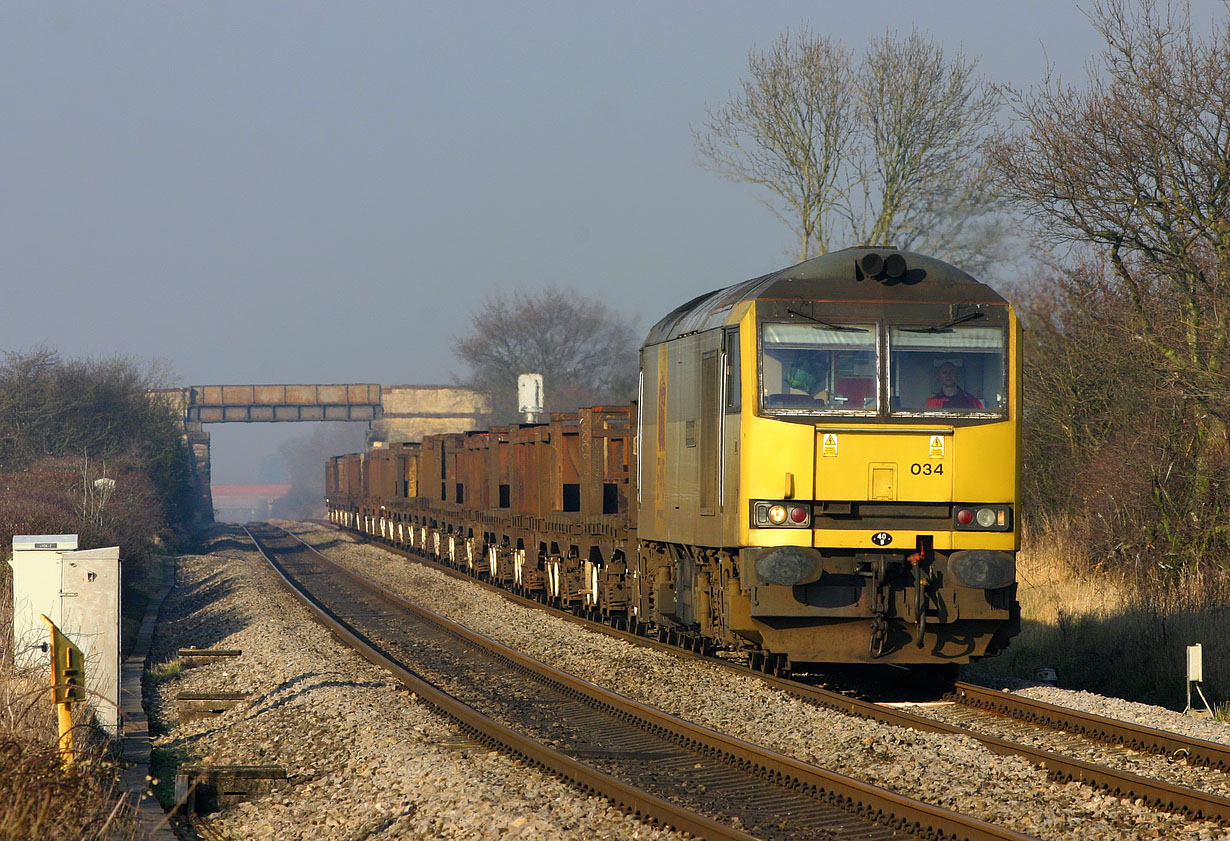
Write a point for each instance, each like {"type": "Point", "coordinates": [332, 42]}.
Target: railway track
{"type": "Point", "coordinates": [656, 765]}
{"type": "Point", "coordinates": [1137, 737]}
{"type": "Point", "coordinates": [1039, 721]}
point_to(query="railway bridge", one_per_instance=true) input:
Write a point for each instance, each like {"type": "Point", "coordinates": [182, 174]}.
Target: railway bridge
{"type": "Point", "coordinates": [393, 413]}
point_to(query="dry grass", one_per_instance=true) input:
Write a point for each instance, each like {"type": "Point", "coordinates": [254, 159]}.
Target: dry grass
{"type": "Point", "coordinates": [39, 796]}
{"type": "Point", "coordinates": [1121, 634]}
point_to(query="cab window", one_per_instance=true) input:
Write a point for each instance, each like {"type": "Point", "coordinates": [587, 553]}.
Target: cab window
{"type": "Point", "coordinates": [815, 367]}
{"type": "Point", "coordinates": [958, 369]}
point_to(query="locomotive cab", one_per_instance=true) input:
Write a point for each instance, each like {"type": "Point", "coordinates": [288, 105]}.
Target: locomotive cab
{"type": "Point", "coordinates": [832, 452]}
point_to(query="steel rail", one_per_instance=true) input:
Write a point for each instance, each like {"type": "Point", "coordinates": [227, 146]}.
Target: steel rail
{"type": "Point", "coordinates": [887, 807]}
{"type": "Point", "coordinates": [1127, 733]}
{"type": "Point", "coordinates": [491, 731]}
{"type": "Point", "coordinates": [1157, 793]}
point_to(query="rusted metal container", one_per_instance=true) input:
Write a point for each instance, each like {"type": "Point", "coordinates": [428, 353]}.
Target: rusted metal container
{"type": "Point", "coordinates": [499, 461]}
{"type": "Point", "coordinates": [531, 463]}
{"type": "Point", "coordinates": [431, 469]}
{"type": "Point", "coordinates": [354, 474]}
{"type": "Point", "coordinates": [605, 460]}
{"type": "Point", "coordinates": [379, 480]}
{"type": "Point", "coordinates": [565, 491]}
{"type": "Point", "coordinates": [407, 469]}
{"type": "Point", "coordinates": [472, 470]}
{"type": "Point", "coordinates": [454, 486]}
{"type": "Point", "coordinates": [332, 486]}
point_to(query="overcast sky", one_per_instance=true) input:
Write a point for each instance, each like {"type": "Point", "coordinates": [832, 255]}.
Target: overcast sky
{"type": "Point", "coordinates": [319, 192]}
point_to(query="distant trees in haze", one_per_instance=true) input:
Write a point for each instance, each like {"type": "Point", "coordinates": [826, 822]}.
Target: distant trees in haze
{"type": "Point", "coordinates": [585, 350]}
{"type": "Point", "coordinates": [304, 461]}
{"type": "Point", "coordinates": [886, 148]}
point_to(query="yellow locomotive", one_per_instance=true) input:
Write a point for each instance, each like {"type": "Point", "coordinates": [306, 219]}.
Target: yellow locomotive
{"type": "Point", "coordinates": [822, 467]}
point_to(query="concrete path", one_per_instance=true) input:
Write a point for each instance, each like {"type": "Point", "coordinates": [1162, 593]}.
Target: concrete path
{"type": "Point", "coordinates": [135, 726]}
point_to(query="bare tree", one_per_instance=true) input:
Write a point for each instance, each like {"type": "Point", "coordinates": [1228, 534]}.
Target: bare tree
{"type": "Point", "coordinates": [788, 131]}
{"type": "Point", "coordinates": [585, 351]}
{"type": "Point", "coordinates": [886, 151]}
{"type": "Point", "coordinates": [1135, 167]}
{"type": "Point", "coordinates": [923, 177]}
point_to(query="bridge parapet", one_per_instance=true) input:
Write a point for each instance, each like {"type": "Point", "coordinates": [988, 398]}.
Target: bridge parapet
{"type": "Point", "coordinates": [282, 403]}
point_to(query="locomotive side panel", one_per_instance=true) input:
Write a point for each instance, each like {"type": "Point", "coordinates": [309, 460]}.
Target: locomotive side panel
{"type": "Point", "coordinates": [687, 420]}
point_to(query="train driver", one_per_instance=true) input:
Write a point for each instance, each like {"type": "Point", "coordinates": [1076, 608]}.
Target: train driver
{"type": "Point", "coordinates": [951, 395]}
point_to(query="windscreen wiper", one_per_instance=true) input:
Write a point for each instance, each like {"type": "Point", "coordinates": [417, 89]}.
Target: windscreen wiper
{"type": "Point", "coordinates": [839, 327]}
{"type": "Point", "coordinates": [940, 328]}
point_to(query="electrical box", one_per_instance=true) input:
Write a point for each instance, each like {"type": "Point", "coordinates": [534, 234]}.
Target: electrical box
{"type": "Point", "coordinates": [79, 590]}
{"type": "Point", "coordinates": [1195, 663]}
{"type": "Point", "coordinates": [36, 591]}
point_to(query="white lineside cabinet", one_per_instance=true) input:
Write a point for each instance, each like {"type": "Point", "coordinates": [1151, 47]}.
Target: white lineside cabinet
{"type": "Point", "coordinates": [79, 590]}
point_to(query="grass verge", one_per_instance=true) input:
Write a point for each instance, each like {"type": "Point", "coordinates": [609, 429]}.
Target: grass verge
{"type": "Point", "coordinates": [1119, 633]}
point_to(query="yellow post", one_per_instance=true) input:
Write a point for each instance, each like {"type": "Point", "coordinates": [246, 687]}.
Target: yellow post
{"type": "Point", "coordinates": [64, 715]}
{"type": "Point", "coordinates": [67, 684]}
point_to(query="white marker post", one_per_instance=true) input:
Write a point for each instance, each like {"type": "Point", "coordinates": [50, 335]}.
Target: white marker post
{"type": "Point", "coordinates": [529, 396]}
{"type": "Point", "coordinates": [1195, 677]}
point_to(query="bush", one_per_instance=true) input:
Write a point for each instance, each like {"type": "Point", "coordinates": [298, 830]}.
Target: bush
{"type": "Point", "coordinates": [1115, 452]}
{"type": "Point", "coordinates": [39, 796]}
{"type": "Point", "coordinates": [104, 416]}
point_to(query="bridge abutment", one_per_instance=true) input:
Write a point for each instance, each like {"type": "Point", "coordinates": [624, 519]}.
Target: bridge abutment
{"type": "Point", "coordinates": [409, 412]}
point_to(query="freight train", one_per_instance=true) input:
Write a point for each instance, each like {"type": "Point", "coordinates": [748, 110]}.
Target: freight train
{"type": "Point", "coordinates": [822, 466]}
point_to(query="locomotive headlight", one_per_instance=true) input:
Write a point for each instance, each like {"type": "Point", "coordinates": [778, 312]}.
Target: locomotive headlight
{"type": "Point", "coordinates": [777, 514]}
{"type": "Point", "coordinates": [986, 517]}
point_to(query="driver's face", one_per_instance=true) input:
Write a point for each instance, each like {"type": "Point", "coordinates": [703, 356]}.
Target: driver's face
{"type": "Point", "coordinates": [948, 375]}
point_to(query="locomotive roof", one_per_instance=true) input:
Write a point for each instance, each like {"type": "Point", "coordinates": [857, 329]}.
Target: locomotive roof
{"type": "Point", "coordinates": [836, 276]}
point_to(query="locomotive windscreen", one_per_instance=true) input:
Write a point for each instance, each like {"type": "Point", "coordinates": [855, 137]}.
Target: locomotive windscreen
{"type": "Point", "coordinates": [958, 370]}
{"type": "Point", "coordinates": [819, 367]}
